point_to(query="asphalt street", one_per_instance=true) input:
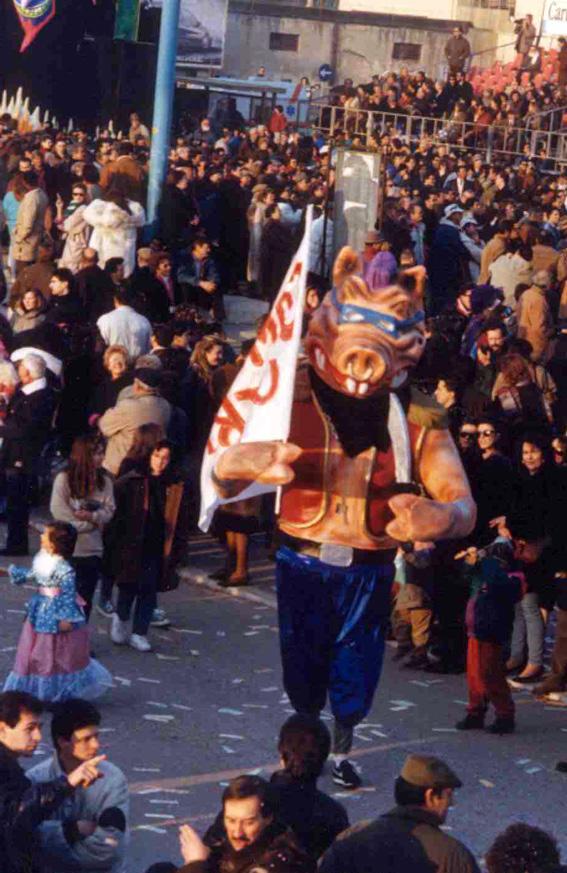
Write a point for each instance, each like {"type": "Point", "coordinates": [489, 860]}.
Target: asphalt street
{"type": "Point", "coordinates": [207, 704]}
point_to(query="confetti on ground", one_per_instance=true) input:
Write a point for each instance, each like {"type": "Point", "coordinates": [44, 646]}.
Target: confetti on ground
{"type": "Point", "coordinates": [237, 681]}
{"type": "Point", "coordinates": [445, 730]}
{"type": "Point", "coordinates": [228, 750]}
{"type": "Point", "coordinates": [255, 705]}
{"type": "Point", "coordinates": [162, 815]}
{"type": "Point", "coordinates": [151, 681]}
{"type": "Point", "coordinates": [225, 710]}
{"type": "Point", "coordinates": [231, 736]}
{"type": "Point", "coordinates": [156, 703]}
{"type": "Point", "coordinates": [361, 737]}
{"type": "Point", "coordinates": [9, 649]}
{"type": "Point", "coordinates": [17, 611]}
{"type": "Point", "coordinates": [194, 652]}
{"type": "Point", "coordinates": [250, 633]}
{"type": "Point", "coordinates": [164, 719]}
{"type": "Point", "coordinates": [275, 688]}
{"type": "Point", "coordinates": [167, 657]}
{"type": "Point", "coordinates": [106, 730]}
{"type": "Point", "coordinates": [418, 682]}
{"type": "Point", "coordinates": [165, 802]}
{"type": "Point", "coordinates": [182, 706]}
{"type": "Point", "coordinates": [147, 769]}
{"type": "Point", "coordinates": [264, 670]}
{"type": "Point", "coordinates": [379, 733]}
{"type": "Point", "coordinates": [187, 630]}
{"type": "Point", "coordinates": [486, 783]}
{"type": "Point", "coordinates": [531, 770]}
{"type": "Point", "coordinates": [151, 828]}
{"type": "Point", "coordinates": [523, 761]}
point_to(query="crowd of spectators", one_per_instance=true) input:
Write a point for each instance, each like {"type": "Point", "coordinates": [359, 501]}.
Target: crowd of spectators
{"type": "Point", "coordinates": [114, 361]}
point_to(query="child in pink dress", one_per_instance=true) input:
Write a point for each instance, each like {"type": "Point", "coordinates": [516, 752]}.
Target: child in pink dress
{"type": "Point", "coordinates": [53, 658]}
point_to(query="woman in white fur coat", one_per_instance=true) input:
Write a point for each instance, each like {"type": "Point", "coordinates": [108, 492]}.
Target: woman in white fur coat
{"type": "Point", "coordinates": [115, 222]}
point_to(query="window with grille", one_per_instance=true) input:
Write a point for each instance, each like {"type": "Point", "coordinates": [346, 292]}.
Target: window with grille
{"type": "Point", "coordinates": [284, 42]}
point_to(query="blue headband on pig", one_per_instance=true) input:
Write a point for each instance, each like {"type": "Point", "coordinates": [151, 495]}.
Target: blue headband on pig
{"type": "Point", "coordinates": [388, 324]}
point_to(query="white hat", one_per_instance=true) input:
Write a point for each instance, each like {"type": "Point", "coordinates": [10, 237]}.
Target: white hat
{"type": "Point", "coordinates": [452, 208]}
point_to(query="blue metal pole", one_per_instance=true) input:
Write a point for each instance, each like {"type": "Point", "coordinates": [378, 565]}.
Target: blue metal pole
{"type": "Point", "coordinates": [163, 107]}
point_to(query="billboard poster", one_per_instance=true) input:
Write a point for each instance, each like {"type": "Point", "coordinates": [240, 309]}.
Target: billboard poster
{"type": "Point", "coordinates": [202, 28]}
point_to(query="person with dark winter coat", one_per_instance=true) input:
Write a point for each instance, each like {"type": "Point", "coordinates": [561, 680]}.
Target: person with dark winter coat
{"type": "Point", "coordinates": [446, 261]}
{"type": "Point", "coordinates": [177, 210]}
{"type": "Point", "coordinates": [276, 250]}
{"type": "Point", "coordinates": [24, 434]}
{"type": "Point", "coordinates": [408, 839]}
{"type": "Point", "coordinates": [490, 617]}
{"type": "Point", "coordinates": [253, 838]}
{"type": "Point", "coordinates": [146, 540]}
{"type": "Point", "coordinates": [148, 294]}
{"type": "Point", "coordinates": [23, 804]}
{"type": "Point", "coordinates": [314, 817]}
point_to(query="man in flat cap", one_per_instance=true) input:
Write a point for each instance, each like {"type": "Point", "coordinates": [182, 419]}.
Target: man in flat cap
{"type": "Point", "coordinates": [408, 839]}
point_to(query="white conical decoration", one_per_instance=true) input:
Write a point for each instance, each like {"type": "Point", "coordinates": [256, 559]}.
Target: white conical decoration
{"type": "Point", "coordinates": [35, 119]}
{"type": "Point", "coordinates": [26, 106]}
{"type": "Point", "coordinates": [70, 126]}
{"type": "Point", "coordinates": [119, 135]}
{"type": "Point", "coordinates": [46, 117]}
{"type": "Point", "coordinates": [111, 126]}
{"type": "Point", "coordinates": [10, 108]}
{"type": "Point", "coordinates": [97, 132]}
{"type": "Point", "coordinates": [19, 101]}
{"type": "Point", "coordinates": [4, 104]}
{"type": "Point", "coordinates": [54, 123]}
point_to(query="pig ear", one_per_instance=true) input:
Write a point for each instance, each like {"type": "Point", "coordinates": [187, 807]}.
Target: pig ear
{"type": "Point", "coordinates": [347, 263]}
{"type": "Point", "coordinates": [353, 290]}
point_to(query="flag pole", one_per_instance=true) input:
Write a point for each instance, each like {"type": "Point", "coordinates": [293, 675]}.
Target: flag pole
{"type": "Point", "coordinates": [163, 108]}
{"type": "Point", "coordinates": [300, 311]}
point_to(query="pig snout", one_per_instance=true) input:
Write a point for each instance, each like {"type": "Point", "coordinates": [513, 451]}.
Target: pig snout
{"type": "Point", "coordinates": [363, 363]}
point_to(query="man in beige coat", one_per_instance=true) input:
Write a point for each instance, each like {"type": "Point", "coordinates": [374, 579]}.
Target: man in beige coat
{"type": "Point", "coordinates": [120, 423]}
{"type": "Point", "coordinates": [535, 320]}
{"type": "Point", "coordinates": [494, 248]}
{"type": "Point", "coordinates": [30, 223]}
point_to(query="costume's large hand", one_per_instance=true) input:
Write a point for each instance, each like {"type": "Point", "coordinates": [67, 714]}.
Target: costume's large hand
{"type": "Point", "coordinates": [266, 462]}
{"type": "Point", "coordinates": [418, 518]}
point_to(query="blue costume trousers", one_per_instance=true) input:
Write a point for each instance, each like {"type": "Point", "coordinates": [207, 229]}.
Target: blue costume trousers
{"type": "Point", "coordinates": [332, 633]}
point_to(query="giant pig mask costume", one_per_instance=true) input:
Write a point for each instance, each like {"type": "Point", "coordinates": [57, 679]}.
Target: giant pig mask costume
{"type": "Point", "coordinates": [360, 340]}
{"type": "Point", "coordinates": [369, 463]}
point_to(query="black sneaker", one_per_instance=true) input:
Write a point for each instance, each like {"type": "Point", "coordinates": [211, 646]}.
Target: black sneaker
{"type": "Point", "coordinates": [346, 775]}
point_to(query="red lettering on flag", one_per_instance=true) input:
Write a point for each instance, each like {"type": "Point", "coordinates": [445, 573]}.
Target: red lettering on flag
{"type": "Point", "coordinates": [253, 394]}
{"type": "Point", "coordinates": [227, 424]}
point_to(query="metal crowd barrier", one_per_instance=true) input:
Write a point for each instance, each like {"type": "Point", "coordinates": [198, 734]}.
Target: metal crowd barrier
{"type": "Point", "coordinates": [492, 141]}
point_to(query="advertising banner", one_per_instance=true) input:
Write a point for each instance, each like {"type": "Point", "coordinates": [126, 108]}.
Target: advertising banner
{"type": "Point", "coordinates": [202, 29]}
{"type": "Point", "coordinates": [554, 18]}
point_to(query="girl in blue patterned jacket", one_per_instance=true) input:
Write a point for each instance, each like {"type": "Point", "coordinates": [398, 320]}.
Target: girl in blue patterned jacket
{"type": "Point", "coordinates": [53, 658]}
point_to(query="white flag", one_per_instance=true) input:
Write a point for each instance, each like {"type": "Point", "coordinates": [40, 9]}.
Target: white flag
{"type": "Point", "coordinates": [258, 404]}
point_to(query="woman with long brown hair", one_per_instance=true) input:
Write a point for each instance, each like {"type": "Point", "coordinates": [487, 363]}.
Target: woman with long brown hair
{"type": "Point", "coordinates": [145, 440]}
{"type": "Point", "coordinates": [83, 496]}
